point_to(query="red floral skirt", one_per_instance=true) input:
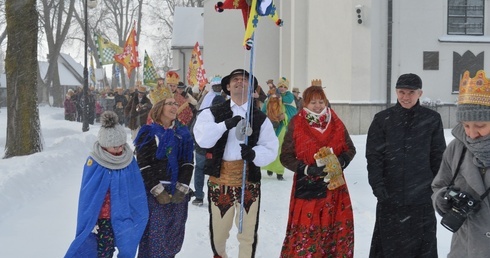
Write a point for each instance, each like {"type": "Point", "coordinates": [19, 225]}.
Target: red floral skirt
{"type": "Point", "coordinates": [320, 227]}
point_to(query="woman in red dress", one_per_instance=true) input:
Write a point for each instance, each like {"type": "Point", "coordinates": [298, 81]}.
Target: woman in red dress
{"type": "Point", "coordinates": [321, 222]}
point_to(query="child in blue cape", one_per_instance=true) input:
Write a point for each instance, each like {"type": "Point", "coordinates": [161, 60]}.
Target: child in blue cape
{"type": "Point", "coordinates": [112, 207]}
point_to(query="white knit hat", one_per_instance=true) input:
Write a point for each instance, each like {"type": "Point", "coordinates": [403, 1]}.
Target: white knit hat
{"type": "Point", "coordinates": [111, 133]}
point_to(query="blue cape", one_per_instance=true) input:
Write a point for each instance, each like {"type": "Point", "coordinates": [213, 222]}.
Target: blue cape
{"type": "Point", "coordinates": [129, 208]}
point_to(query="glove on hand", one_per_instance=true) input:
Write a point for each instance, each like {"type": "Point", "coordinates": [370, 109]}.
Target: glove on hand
{"type": "Point", "coordinates": [381, 193]}
{"type": "Point", "coordinates": [180, 192]}
{"type": "Point", "coordinates": [247, 152]}
{"type": "Point", "coordinates": [301, 168]}
{"type": "Point", "coordinates": [314, 170]}
{"type": "Point", "coordinates": [160, 194]}
{"type": "Point", "coordinates": [232, 122]}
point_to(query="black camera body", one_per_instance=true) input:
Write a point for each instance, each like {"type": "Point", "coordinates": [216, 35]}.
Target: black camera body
{"type": "Point", "coordinates": [462, 204]}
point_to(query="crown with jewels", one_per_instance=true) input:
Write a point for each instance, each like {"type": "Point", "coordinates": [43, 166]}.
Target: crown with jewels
{"type": "Point", "coordinates": [474, 90]}
{"type": "Point", "coordinates": [316, 82]}
{"type": "Point", "coordinates": [172, 77]}
{"type": "Point", "coordinates": [158, 94]}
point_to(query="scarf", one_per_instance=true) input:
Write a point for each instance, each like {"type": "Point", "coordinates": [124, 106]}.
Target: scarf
{"type": "Point", "coordinates": [110, 161]}
{"type": "Point", "coordinates": [480, 147]}
{"type": "Point", "coordinates": [317, 120]}
{"type": "Point", "coordinates": [174, 143]}
{"type": "Point", "coordinates": [308, 139]}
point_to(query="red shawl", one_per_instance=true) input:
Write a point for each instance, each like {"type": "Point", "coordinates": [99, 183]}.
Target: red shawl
{"type": "Point", "coordinates": [309, 140]}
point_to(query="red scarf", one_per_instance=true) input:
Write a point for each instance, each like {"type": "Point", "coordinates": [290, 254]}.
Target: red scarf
{"type": "Point", "coordinates": [309, 140]}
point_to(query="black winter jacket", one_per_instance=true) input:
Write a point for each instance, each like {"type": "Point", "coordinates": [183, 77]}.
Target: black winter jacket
{"type": "Point", "coordinates": [404, 151]}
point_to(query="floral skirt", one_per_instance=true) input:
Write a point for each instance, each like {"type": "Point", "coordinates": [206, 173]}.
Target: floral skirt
{"type": "Point", "coordinates": [320, 227]}
{"type": "Point", "coordinates": [164, 233]}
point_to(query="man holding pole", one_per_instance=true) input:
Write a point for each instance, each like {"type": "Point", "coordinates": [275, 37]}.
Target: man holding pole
{"type": "Point", "coordinates": [230, 144]}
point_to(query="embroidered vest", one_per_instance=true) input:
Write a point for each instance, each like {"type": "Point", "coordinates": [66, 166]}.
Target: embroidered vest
{"type": "Point", "coordinates": [214, 155]}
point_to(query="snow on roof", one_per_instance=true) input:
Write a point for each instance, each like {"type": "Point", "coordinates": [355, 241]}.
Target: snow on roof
{"type": "Point", "coordinates": [71, 72]}
{"type": "Point", "coordinates": [188, 27]}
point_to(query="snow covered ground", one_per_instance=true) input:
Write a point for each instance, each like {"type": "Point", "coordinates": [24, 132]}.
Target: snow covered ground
{"type": "Point", "coordinates": [39, 195]}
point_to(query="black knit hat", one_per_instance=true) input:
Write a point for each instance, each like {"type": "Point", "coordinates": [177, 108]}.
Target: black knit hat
{"type": "Point", "coordinates": [226, 80]}
{"type": "Point", "coordinates": [409, 81]}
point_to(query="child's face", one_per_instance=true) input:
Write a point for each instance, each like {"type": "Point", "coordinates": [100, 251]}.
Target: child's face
{"type": "Point", "coordinates": [115, 150]}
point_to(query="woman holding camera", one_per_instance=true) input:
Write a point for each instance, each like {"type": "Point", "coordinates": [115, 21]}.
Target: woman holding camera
{"type": "Point", "coordinates": [462, 184]}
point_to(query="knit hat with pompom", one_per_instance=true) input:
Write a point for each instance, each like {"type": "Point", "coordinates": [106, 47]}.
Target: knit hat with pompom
{"type": "Point", "coordinates": [111, 133]}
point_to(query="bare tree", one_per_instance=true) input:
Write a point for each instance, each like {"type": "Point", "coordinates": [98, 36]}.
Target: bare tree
{"type": "Point", "coordinates": [3, 33]}
{"type": "Point", "coordinates": [113, 19]}
{"type": "Point", "coordinates": [56, 19]}
{"type": "Point", "coordinates": [162, 12]}
{"type": "Point", "coordinates": [119, 20]}
{"type": "Point", "coordinates": [23, 125]}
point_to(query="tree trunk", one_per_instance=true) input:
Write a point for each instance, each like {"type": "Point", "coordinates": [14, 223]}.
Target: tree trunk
{"type": "Point", "coordinates": [57, 92]}
{"type": "Point", "coordinates": [23, 125]}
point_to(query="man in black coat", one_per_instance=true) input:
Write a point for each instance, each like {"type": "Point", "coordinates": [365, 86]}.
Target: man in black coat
{"type": "Point", "coordinates": [404, 150]}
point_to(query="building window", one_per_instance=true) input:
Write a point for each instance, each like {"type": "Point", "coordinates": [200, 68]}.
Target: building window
{"type": "Point", "coordinates": [465, 17]}
{"type": "Point", "coordinates": [466, 62]}
{"type": "Point", "coordinates": [431, 60]}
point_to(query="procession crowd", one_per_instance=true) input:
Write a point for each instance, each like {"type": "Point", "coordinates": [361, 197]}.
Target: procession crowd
{"type": "Point", "coordinates": [135, 198]}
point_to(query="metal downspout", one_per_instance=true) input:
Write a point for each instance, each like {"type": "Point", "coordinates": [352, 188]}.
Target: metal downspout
{"type": "Point", "coordinates": [183, 65]}
{"type": "Point", "coordinates": [389, 53]}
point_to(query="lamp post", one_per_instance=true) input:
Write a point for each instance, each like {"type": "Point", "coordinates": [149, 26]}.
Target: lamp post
{"type": "Point", "coordinates": [85, 107]}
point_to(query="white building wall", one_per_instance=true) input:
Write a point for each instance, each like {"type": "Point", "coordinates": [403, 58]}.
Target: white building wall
{"type": "Point", "coordinates": [321, 39]}
{"type": "Point", "coordinates": [223, 49]}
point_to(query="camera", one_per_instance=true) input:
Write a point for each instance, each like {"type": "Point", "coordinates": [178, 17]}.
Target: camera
{"type": "Point", "coordinates": [462, 204]}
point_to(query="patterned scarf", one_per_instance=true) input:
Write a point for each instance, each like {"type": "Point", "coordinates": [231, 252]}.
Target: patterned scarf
{"type": "Point", "coordinates": [308, 140]}
{"type": "Point", "coordinates": [317, 120]}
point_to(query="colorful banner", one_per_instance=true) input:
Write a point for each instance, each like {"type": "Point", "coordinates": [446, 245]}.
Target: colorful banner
{"type": "Point", "coordinates": [150, 74]}
{"type": "Point", "coordinates": [129, 57]}
{"type": "Point", "coordinates": [106, 50]}
{"type": "Point", "coordinates": [196, 74]}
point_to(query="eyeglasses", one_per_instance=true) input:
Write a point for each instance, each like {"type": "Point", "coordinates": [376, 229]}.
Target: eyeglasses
{"type": "Point", "coordinates": [282, 87]}
{"type": "Point", "coordinates": [171, 103]}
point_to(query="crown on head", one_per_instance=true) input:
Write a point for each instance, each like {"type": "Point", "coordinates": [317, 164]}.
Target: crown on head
{"type": "Point", "coordinates": [316, 82]}
{"type": "Point", "coordinates": [172, 77]}
{"type": "Point", "coordinates": [474, 90]}
{"type": "Point", "coordinates": [159, 94]}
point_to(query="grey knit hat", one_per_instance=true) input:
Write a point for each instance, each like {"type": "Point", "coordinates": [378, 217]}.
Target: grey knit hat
{"type": "Point", "coordinates": [111, 133]}
{"type": "Point", "coordinates": [474, 97]}
{"type": "Point", "coordinates": [473, 112]}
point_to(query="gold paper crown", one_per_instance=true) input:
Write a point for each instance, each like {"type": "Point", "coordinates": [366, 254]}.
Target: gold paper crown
{"type": "Point", "coordinates": [172, 77]}
{"type": "Point", "coordinates": [158, 94]}
{"type": "Point", "coordinates": [474, 90]}
{"type": "Point", "coordinates": [316, 82]}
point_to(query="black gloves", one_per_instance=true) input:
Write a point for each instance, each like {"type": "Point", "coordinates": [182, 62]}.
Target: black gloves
{"type": "Point", "coordinates": [247, 152]}
{"type": "Point", "coordinates": [381, 193]}
{"type": "Point", "coordinates": [232, 122]}
{"type": "Point", "coordinates": [314, 170]}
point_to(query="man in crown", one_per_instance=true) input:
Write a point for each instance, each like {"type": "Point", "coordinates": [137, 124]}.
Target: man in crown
{"type": "Point", "coordinates": [182, 97]}
{"type": "Point", "coordinates": [404, 151]}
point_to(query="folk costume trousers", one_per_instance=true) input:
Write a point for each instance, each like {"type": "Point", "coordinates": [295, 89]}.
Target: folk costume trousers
{"type": "Point", "coordinates": [224, 195]}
